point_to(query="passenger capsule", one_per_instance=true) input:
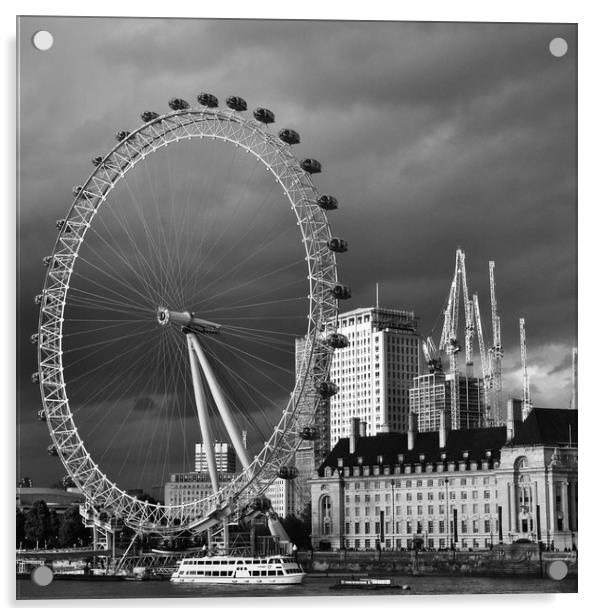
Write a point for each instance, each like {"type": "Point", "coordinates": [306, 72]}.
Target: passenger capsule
{"type": "Point", "coordinates": [97, 160]}
{"type": "Point", "coordinates": [46, 261]}
{"type": "Point", "coordinates": [35, 377]}
{"type": "Point", "coordinates": [328, 202]}
{"type": "Point", "coordinates": [79, 190]}
{"type": "Point", "coordinates": [308, 433]}
{"type": "Point", "coordinates": [41, 415]}
{"type": "Point", "coordinates": [327, 389]}
{"type": "Point", "coordinates": [288, 472]}
{"type": "Point", "coordinates": [34, 338]}
{"type": "Point", "coordinates": [261, 503]}
{"type": "Point", "coordinates": [60, 224]}
{"type": "Point", "coordinates": [149, 116]}
{"type": "Point", "coordinates": [237, 103]}
{"type": "Point", "coordinates": [68, 482]}
{"type": "Point", "coordinates": [264, 115]}
{"type": "Point", "coordinates": [337, 341]}
{"type": "Point", "coordinates": [52, 450]}
{"type": "Point", "coordinates": [178, 104]}
{"type": "Point", "coordinates": [120, 135]}
{"type": "Point", "coordinates": [290, 136]}
{"type": "Point", "coordinates": [341, 291]}
{"type": "Point", "coordinates": [311, 165]}
{"type": "Point", "coordinates": [207, 100]}
{"type": "Point", "coordinates": [38, 299]}
{"type": "Point", "coordinates": [336, 244]}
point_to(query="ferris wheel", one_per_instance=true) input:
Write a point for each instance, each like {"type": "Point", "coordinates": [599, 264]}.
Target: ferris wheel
{"type": "Point", "coordinates": [188, 295]}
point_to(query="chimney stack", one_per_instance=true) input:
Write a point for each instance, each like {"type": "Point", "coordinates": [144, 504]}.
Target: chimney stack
{"type": "Point", "coordinates": [412, 431]}
{"type": "Point", "coordinates": [442, 429]}
{"type": "Point", "coordinates": [363, 425]}
{"type": "Point", "coordinates": [513, 418]}
{"type": "Point", "coordinates": [355, 433]}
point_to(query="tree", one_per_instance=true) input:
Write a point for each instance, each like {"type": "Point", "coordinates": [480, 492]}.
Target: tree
{"type": "Point", "coordinates": [298, 527]}
{"type": "Point", "coordinates": [145, 497]}
{"type": "Point", "coordinates": [38, 525]}
{"type": "Point", "coordinates": [55, 525]}
{"type": "Point", "coordinates": [72, 529]}
{"type": "Point", "coordinates": [24, 482]}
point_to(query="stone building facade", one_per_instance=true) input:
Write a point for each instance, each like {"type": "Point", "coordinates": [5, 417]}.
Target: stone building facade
{"type": "Point", "coordinates": [461, 489]}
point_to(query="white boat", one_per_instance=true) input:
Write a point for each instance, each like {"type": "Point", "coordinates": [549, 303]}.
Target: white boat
{"type": "Point", "coordinates": [239, 570]}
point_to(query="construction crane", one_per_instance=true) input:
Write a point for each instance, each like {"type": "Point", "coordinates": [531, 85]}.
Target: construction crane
{"type": "Point", "coordinates": [485, 362]}
{"type": "Point", "coordinates": [496, 351]}
{"type": "Point", "coordinates": [574, 380]}
{"type": "Point", "coordinates": [432, 356]}
{"type": "Point", "coordinates": [526, 405]}
{"type": "Point", "coordinates": [449, 338]}
{"type": "Point", "coordinates": [468, 317]}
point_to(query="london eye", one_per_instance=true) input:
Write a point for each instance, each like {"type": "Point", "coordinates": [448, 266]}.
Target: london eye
{"type": "Point", "coordinates": [191, 296]}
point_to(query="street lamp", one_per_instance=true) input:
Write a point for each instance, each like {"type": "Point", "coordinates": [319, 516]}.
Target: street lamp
{"type": "Point", "coordinates": [392, 514]}
{"type": "Point", "coordinates": [342, 540]}
{"type": "Point", "coordinates": [447, 512]}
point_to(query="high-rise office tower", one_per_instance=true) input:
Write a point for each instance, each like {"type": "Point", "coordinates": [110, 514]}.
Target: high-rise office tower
{"type": "Point", "coordinates": [225, 458]}
{"type": "Point", "coordinates": [374, 373]}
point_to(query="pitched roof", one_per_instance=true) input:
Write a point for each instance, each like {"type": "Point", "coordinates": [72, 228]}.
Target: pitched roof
{"type": "Point", "coordinates": [547, 427]}
{"type": "Point", "coordinates": [389, 444]}
{"type": "Point", "coordinates": [542, 427]}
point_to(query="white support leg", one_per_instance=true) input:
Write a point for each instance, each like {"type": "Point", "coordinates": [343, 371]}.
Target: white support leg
{"type": "Point", "coordinates": [202, 411]}
{"type": "Point", "coordinates": [222, 406]}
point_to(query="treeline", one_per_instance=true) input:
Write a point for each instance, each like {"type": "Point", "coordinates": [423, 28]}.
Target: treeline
{"type": "Point", "coordinates": [298, 528]}
{"type": "Point", "coordinates": [44, 528]}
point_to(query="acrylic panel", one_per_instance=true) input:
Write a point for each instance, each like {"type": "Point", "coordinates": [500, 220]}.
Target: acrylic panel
{"type": "Point", "coordinates": [296, 308]}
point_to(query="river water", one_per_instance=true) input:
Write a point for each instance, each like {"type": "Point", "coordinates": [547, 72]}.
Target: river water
{"type": "Point", "coordinates": [312, 586]}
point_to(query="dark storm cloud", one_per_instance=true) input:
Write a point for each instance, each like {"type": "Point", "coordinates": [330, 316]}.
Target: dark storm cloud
{"type": "Point", "coordinates": [432, 136]}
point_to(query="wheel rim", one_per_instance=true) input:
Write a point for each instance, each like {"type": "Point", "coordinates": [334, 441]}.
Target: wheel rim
{"type": "Point", "coordinates": [302, 195]}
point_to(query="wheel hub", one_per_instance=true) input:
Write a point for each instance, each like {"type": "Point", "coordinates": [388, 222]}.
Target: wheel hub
{"type": "Point", "coordinates": [186, 320]}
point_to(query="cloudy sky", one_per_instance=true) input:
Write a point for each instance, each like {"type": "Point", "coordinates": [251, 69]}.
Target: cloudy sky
{"type": "Point", "coordinates": [432, 136]}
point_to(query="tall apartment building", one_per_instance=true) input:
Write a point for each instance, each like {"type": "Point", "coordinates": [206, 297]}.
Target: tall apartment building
{"type": "Point", "coordinates": [187, 487]}
{"type": "Point", "coordinates": [225, 458]}
{"type": "Point", "coordinates": [431, 394]}
{"type": "Point", "coordinates": [314, 412]}
{"type": "Point", "coordinates": [374, 373]}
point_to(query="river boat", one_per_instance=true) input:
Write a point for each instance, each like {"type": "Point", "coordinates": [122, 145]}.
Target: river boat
{"type": "Point", "coordinates": [276, 569]}
{"type": "Point", "coordinates": [367, 584]}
